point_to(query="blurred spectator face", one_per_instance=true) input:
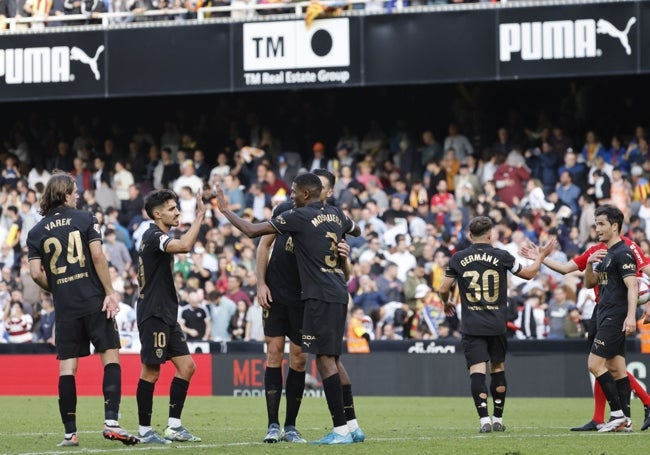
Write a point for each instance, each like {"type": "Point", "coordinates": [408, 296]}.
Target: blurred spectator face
{"type": "Point", "coordinates": [188, 168]}
{"type": "Point", "coordinates": [199, 156]}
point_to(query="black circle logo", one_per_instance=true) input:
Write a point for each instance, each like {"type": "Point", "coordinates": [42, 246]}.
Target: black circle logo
{"type": "Point", "coordinates": [321, 43]}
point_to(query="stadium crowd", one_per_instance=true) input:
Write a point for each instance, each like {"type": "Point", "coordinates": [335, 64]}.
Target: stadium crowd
{"type": "Point", "coordinates": [412, 196]}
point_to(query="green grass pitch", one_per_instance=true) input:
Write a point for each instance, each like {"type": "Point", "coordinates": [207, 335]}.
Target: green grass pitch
{"type": "Point", "coordinates": [393, 425]}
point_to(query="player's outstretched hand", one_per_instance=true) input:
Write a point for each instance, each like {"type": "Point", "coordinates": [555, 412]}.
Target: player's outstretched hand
{"type": "Point", "coordinates": [222, 204]}
{"type": "Point", "coordinates": [597, 256]}
{"type": "Point", "coordinates": [450, 309]}
{"type": "Point", "coordinates": [111, 305]}
{"type": "Point", "coordinates": [200, 205]}
{"type": "Point", "coordinates": [529, 250]}
{"type": "Point", "coordinates": [547, 248]}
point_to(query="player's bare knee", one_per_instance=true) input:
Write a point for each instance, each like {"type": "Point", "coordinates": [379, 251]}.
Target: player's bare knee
{"type": "Point", "coordinates": [483, 396]}
{"type": "Point", "coordinates": [298, 362]}
{"type": "Point", "coordinates": [501, 389]}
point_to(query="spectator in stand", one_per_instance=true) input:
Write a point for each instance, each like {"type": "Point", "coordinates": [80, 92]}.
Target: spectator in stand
{"type": "Point", "coordinates": [45, 331]}
{"type": "Point", "coordinates": [346, 175]}
{"type": "Point", "coordinates": [237, 327]}
{"type": "Point", "coordinates": [458, 142]}
{"type": "Point", "coordinates": [38, 174]}
{"type": "Point", "coordinates": [573, 326]}
{"type": "Point", "coordinates": [615, 153]}
{"type": "Point", "coordinates": [222, 168]}
{"type": "Point", "coordinates": [568, 193]}
{"type": "Point", "coordinates": [10, 172]}
{"type": "Point", "coordinates": [343, 158]}
{"type": "Point", "coordinates": [621, 192]}
{"type": "Point", "coordinates": [235, 292]}
{"type": "Point", "coordinates": [18, 324]}
{"type": "Point", "coordinates": [186, 205]}
{"type": "Point", "coordinates": [62, 160]}
{"type": "Point", "coordinates": [221, 309]}
{"type": "Point", "coordinates": [195, 319]}
{"type": "Point", "coordinates": [579, 171]}
{"type": "Point", "coordinates": [431, 149]}
{"type": "Point", "coordinates": [369, 298]}
{"type": "Point", "coordinates": [502, 146]}
{"type": "Point", "coordinates": [451, 164]}
{"type": "Point", "coordinates": [439, 202]}
{"type": "Point", "coordinates": [401, 256]}
{"type": "Point", "coordinates": [318, 160]}
{"type": "Point", "coordinates": [510, 179]}
{"type": "Point", "coordinates": [286, 171]}
{"type": "Point", "coordinates": [116, 252]}
{"type": "Point", "coordinates": [188, 178]}
{"type": "Point", "coordinates": [201, 167]}
{"type": "Point", "coordinates": [167, 171]}
{"type": "Point", "coordinates": [592, 148]}
{"type": "Point", "coordinates": [416, 277]}
{"type": "Point", "coordinates": [357, 336]}
{"type": "Point", "coordinates": [544, 163]}
{"type": "Point", "coordinates": [467, 186]}
{"type": "Point", "coordinates": [122, 180]}
{"type": "Point", "coordinates": [389, 284]}
{"type": "Point", "coordinates": [274, 185]}
{"type": "Point", "coordinates": [131, 206]}
{"type": "Point", "coordinates": [561, 142]}
{"type": "Point", "coordinates": [558, 310]}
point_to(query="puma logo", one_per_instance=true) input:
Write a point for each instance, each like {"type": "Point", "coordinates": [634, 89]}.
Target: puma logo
{"type": "Point", "coordinates": [606, 28]}
{"type": "Point", "coordinates": [80, 56]}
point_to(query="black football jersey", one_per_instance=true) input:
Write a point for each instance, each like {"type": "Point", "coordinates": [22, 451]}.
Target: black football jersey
{"type": "Point", "coordinates": [615, 266]}
{"type": "Point", "coordinates": [282, 273]}
{"type": "Point", "coordinates": [60, 241]}
{"type": "Point", "coordinates": [157, 291]}
{"type": "Point", "coordinates": [481, 272]}
{"type": "Point", "coordinates": [316, 230]}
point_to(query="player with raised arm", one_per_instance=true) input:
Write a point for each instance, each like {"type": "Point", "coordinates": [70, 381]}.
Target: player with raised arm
{"type": "Point", "coordinates": [481, 272]}
{"type": "Point", "coordinates": [316, 229]}
{"type": "Point", "coordinates": [161, 336]}
{"type": "Point", "coordinates": [579, 263]}
{"type": "Point", "coordinates": [278, 291]}
{"type": "Point", "coordinates": [66, 258]}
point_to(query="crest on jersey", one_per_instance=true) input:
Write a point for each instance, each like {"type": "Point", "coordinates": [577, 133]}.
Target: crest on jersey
{"type": "Point", "coordinates": [97, 228]}
{"type": "Point", "coordinates": [280, 220]}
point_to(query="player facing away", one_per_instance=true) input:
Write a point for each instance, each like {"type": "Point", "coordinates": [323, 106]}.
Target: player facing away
{"type": "Point", "coordinates": [615, 275]}
{"type": "Point", "coordinates": [529, 251]}
{"type": "Point", "coordinates": [161, 336]}
{"type": "Point", "coordinates": [481, 272]}
{"type": "Point", "coordinates": [316, 229]}
{"type": "Point", "coordinates": [66, 259]}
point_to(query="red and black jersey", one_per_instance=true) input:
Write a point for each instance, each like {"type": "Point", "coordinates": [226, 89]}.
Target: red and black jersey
{"type": "Point", "coordinates": [61, 241]}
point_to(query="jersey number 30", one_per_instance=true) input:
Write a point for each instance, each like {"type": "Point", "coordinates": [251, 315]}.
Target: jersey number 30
{"type": "Point", "coordinates": [482, 286]}
{"type": "Point", "coordinates": [75, 252]}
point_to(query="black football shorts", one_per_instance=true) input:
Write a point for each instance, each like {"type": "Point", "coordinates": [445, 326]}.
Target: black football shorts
{"type": "Point", "coordinates": [161, 342]}
{"type": "Point", "coordinates": [323, 326]}
{"type": "Point", "coordinates": [480, 349]}
{"type": "Point", "coordinates": [610, 339]}
{"type": "Point", "coordinates": [73, 338]}
{"type": "Point", "coordinates": [284, 320]}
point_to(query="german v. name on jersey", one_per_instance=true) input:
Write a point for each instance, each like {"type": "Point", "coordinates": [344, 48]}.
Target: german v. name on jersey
{"type": "Point", "coordinates": [282, 272]}
{"type": "Point", "coordinates": [316, 230]}
{"type": "Point", "coordinates": [60, 241]}
{"type": "Point", "coordinates": [618, 263]}
{"type": "Point", "coordinates": [481, 272]}
{"type": "Point", "coordinates": [157, 291]}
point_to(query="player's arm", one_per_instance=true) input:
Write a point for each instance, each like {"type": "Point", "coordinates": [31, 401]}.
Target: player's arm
{"type": "Point", "coordinates": [591, 277]}
{"type": "Point", "coordinates": [208, 327]}
{"type": "Point", "coordinates": [37, 273]}
{"type": "Point", "coordinates": [445, 291]}
{"type": "Point", "coordinates": [264, 296]}
{"type": "Point", "coordinates": [186, 329]}
{"type": "Point", "coordinates": [531, 270]}
{"type": "Point", "coordinates": [344, 255]}
{"type": "Point", "coordinates": [531, 251]}
{"type": "Point", "coordinates": [112, 298]}
{"type": "Point", "coordinates": [249, 229]}
{"type": "Point", "coordinates": [185, 243]}
{"type": "Point", "coordinates": [629, 326]}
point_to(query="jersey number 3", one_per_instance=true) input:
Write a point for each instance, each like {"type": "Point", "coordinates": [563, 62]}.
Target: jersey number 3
{"type": "Point", "coordinates": [482, 286]}
{"type": "Point", "coordinates": [75, 252]}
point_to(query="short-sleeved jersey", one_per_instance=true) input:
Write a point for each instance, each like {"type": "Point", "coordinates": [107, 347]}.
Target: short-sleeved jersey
{"type": "Point", "coordinates": [157, 291]}
{"type": "Point", "coordinates": [641, 260]}
{"type": "Point", "coordinates": [61, 241]}
{"type": "Point", "coordinates": [282, 273]}
{"type": "Point", "coordinates": [316, 230]}
{"type": "Point", "coordinates": [481, 272]}
{"type": "Point", "coordinates": [618, 264]}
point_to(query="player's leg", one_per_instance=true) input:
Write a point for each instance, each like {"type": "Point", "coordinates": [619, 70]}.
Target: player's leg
{"type": "Point", "coordinates": [641, 393]}
{"type": "Point", "coordinates": [618, 369]}
{"type": "Point", "coordinates": [294, 391]}
{"type": "Point", "coordinates": [105, 337]}
{"type": "Point", "coordinates": [497, 347]}
{"type": "Point", "coordinates": [185, 368]}
{"type": "Point", "coordinates": [273, 385]}
{"type": "Point", "coordinates": [323, 326]}
{"type": "Point", "coordinates": [476, 357]}
{"type": "Point", "coordinates": [597, 363]}
{"type": "Point", "coordinates": [348, 404]}
{"type": "Point", "coordinates": [71, 342]}
{"type": "Point", "coordinates": [599, 397]}
{"type": "Point", "coordinates": [153, 339]}
{"type": "Point", "coordinates": [68, 401]}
